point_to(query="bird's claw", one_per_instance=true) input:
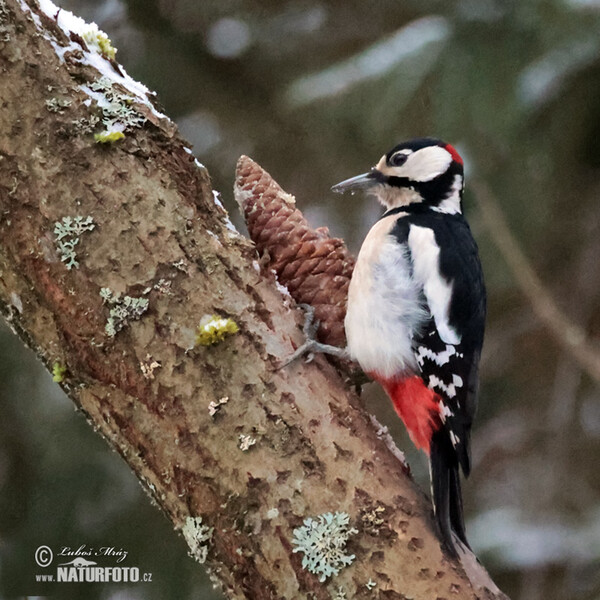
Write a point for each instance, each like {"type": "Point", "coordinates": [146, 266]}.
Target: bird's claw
{"type": "Point", "coordinates": [311, 345]}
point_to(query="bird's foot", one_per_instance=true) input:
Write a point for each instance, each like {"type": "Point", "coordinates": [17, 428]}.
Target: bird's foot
{"type": "Point", "coordinates": [311, 346]}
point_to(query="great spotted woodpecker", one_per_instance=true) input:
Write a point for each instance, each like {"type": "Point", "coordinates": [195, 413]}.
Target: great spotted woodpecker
{"type": "Point", "coordinates": [416, 310]}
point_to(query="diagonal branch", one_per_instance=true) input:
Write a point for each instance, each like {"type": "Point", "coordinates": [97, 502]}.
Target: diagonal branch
{"type": "Point", "coordinates": [236, 452]}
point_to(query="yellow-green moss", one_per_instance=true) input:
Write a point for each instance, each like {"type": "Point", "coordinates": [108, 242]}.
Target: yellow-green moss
{"type": "Point", "coordinates": [108, 137]}
{"type": "Point", "coordinates": [58, 372]}
{"type": "Point", "coordinates": [214, 329]}
{"type": "Point", "coordinates": [97, 39]}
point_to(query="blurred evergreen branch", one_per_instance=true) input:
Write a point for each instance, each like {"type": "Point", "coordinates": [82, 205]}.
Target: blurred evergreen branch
{"type": "Point", "coordinates": [569, 335]}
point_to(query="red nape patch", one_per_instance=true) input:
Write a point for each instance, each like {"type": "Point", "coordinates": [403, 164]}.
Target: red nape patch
{"type": "Point", "coordinates": [416, 405]}
{"type": "Point", "coordinates": [455, 155]}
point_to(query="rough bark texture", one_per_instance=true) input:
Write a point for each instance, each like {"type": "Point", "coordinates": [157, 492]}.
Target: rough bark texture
{"type": "Point", "coordinates": [160, 236]}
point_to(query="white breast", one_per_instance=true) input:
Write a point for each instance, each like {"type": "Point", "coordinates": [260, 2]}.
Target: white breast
{"type": "Point", "coordinates": [384, 308]}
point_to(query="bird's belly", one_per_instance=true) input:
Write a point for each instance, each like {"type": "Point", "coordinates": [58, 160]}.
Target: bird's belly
{"type": "Point", "coordinates": [384, 307]}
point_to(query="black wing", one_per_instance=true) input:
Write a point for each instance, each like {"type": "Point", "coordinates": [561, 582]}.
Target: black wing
{"type": "Point", "coordinates": [448, 347]}
{"type": "Point", "coordinates": [451, 366]}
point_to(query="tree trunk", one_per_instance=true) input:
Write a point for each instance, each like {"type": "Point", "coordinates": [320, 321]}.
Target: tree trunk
{"type": "Point", "coordinates": [112, 301]}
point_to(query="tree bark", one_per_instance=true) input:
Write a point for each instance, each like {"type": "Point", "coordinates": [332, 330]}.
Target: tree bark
{"type": "Point", "coordinates": [160, 237]}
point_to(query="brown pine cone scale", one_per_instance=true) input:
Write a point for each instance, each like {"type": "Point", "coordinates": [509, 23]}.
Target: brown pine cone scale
{"type": "Point", "coordinates": [315, 268]}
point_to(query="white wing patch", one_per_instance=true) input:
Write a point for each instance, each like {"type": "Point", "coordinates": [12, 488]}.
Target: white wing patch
{"type": "Point", "coordinates": [448, 388]}
{"type": "Point", "coordinates": [445, 412]}
{"type": "Point", "coordinates": [454, 438]}
{"type": "Point", "coordinates": [439, 358]}
{"type": "Point", "coordinates": [438, 291]}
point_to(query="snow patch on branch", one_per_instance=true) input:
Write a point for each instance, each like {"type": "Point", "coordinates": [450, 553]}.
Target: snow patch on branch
{"type": "Point", "coordinates": [99, 54]}
{"type": "Point", "coordinates": [228, 223]}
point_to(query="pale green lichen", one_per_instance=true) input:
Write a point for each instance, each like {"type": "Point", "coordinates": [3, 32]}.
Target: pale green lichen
{"type": "Point", "coordinates": [108, 137]}
{"type": "Point", "coordinates": [58, 372]}
{"type": "Point", "coordinates": [97, 40]}
{"type": "Point", "coordinates": [85, 125]}
{"type": "Point", "coordinates": [124, 309]}
{"type": "Point", "coordinates": [56, 105]}
{"type": "Point", "coordinates": [198, 536]}
{"type": "Point", "coordinates": [322, 541]}
{"type": "Point", "coordinates": [214, 329]}
{"type": "Point", "coordinates": [67, 232]}
{"type": "Point", "coordinates": [117, 107]}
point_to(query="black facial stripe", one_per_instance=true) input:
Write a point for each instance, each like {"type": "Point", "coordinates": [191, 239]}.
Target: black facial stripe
{"type": "Point", "coordinates": [399, 182]}
{"type": "Point", "coordinates": [378, 176]}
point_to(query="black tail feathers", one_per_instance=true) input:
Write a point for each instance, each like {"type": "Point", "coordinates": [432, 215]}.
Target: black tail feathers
{"type": "Point", "coordinates": [446, 492]}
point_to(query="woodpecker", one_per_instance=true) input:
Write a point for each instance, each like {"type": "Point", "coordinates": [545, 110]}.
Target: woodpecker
{"type": "Point", "coordinates": [416, 311]}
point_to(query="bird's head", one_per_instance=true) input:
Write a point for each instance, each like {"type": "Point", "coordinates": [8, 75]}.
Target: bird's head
{"type": "Point", "coordinates": [425, 172]}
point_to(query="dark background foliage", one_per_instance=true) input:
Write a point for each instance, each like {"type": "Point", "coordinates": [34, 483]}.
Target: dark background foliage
{"type": "Point", "coordinates": [316, 92]}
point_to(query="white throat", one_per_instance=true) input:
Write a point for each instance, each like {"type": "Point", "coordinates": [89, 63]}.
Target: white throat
{"type": "Point", "coordinates": [394, 197]}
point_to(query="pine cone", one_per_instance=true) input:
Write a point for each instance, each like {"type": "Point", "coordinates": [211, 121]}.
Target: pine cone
{"type": "Point", "coordinates": [315, 268]}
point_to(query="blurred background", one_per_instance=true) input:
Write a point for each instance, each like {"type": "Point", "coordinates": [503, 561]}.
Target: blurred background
{"type": "Point", "coordinates": [316, 92]}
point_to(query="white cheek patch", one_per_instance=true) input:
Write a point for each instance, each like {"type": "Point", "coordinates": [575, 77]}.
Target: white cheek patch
{"type": "Point", "coordinates": [425, 255]}
{"type": "Point", "coordinates": [422, 165]}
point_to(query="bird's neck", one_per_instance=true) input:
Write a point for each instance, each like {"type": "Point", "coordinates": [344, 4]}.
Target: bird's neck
{"type": "Point", "coordinates": [441, 195]}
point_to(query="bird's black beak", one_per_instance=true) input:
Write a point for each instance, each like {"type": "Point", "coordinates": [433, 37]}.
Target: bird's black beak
{"type": "Point", "coordinates": [355, 184]}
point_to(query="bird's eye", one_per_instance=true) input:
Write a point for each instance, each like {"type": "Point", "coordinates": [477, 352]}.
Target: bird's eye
{"type": "Point", "coordinates": [398, 159]}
